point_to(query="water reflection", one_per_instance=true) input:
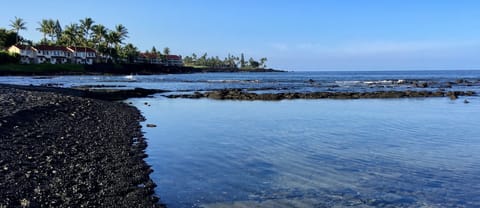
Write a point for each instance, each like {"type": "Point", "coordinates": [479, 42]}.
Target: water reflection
{"type": "Point", "coordinates": [315, 153]}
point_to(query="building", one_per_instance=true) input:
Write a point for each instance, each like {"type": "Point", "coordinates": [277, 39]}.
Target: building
{"type": "Point", "coordinates": [82, 55]}
{"type": "Point", "coordinates": [148, 58]}
{"type": "Point", "coordinates": [173, 60]}
{"type": "Point", "coordinates": [28, 54]}
{"type": "Point", "coordinates": [52, 54]}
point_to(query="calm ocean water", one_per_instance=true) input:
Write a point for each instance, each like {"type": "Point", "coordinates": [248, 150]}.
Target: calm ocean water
{"type": "Point", "coordinates": [307, 153]}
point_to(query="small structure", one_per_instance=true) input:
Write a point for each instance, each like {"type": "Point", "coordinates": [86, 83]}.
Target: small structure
{"type": "Point", "coordinates": [82, 55]}
{"type": "Point", "coordinates": [173, 60]}
{"type": "Point", "coordinates": [28, 54]}
{"type": "Point", "coordinates": [52, 54]}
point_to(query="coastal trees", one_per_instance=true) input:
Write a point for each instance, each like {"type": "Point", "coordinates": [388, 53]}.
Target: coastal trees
{"type": "Point", "coordinates": [7, 38]}
{"type": "Point", "coordinates": [166, 51]}
{"type": "Point", "coordinates": [86, 26]}
{"type": "Point", "coordinates": [18, 24]}
{"type": "Point", "coordinates": [231, 62]}
{"type": "Point", "coordinates": [129, 53]}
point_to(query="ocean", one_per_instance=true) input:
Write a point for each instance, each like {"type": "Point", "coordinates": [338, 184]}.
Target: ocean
{"type": "Point", "coordinates": [409, 152]}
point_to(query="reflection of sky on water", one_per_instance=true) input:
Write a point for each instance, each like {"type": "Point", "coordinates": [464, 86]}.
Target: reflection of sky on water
{"type": "Point", "coordinates": [400, 152]}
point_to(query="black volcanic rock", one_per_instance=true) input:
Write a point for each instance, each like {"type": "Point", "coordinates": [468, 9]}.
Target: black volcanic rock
{"type": "Point", "coordinates": [65, 151]}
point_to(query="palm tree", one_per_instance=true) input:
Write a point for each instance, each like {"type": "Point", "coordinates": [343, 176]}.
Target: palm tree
{"type": "Point", "coordinates": [122, 32]}
{"type": "Point", "coordinates": [99, 33]}
{"type": "Point", "coordinates": [263, 62]}
{"type": "Point", "coordinates": [47, 27]}
{"type": "Point", "coordinates": [86, 25]}
{"type": "Point", "coordinates": [17, 25]}
{"type": "Point", "coordinates": [71, 36]}
{"type": "Point", "coordinates": [166, 51]}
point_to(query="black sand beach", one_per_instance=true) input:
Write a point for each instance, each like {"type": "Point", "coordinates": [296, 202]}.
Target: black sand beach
{"type": "Point", "coordinates": [61, 150]}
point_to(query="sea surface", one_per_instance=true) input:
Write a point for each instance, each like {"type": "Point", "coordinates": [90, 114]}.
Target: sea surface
{"type": "Point", "coordinates": [411, 152]}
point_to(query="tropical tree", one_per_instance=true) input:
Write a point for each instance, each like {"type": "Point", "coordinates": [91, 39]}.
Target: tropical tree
{"type": "Point", "coordinates": [7, 38]}
{"type": "Point", "coordinates": [58, 31]}
{"type": "Point", "coordinates": [47, 27]}
{"type": "Point", "coordinates": [242, 61]}
{"type": "Point", "coordinates": [86, 26]}
{"type": "Point", "coordinates": [18, 24]}
{"type": "Point", "coordinates": [263, 62]}
{"type": "Point", "coordinates": [70, 36]}
{"type": "Point", "coordinates": [122, 33]}
{"type": "Point", "coordinates": [166, 51]}
{"type": "Point", "coordinates": [129, 53]}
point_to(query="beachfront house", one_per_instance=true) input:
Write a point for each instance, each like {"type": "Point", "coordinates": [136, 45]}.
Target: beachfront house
{"type": "Point", "coordinates": [52, 54]}
{"type": "Point", "coordinates": [173, 60]}
{"type": "Point", "coordinates": [148, 58]}
{"type": "Point", "coordinates": [28, 54]}
{"type": "Point", "coordinates": [82, 55]}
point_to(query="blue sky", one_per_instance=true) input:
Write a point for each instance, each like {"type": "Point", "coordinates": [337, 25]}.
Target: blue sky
{"type": "Point", "coordinates": [294, 35]}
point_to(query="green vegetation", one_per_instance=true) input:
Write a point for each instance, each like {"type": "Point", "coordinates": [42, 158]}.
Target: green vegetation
{"type": "Point", "coordinates": [43, 68]}
{"type": "Point", "coordinates": [7, 38]}
{"type": "Point", "coordinates": [6, 57]}
{"type": "Point", "coordinates": [110, 44]}
{"type": "Point", "coordinates": [231, 61]}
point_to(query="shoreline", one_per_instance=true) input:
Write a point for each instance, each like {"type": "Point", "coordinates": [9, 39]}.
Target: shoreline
{"type": "Point", "coordinates": [65, 150]}
{"type": "Point", "coordinates": [111, 69]}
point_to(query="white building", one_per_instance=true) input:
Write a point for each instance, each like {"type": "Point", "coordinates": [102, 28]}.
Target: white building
{"type": "Point", "coordinates": [52, 54]}
{"type": "Point", "coordinates": [28, 54]}
{"type": "Point", "coordinates": [82, 55]}
{"type": "Point", "coordinates": [173, 60]}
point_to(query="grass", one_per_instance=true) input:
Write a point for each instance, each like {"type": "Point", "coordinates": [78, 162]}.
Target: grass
{"type": "Point", "coordinates": [41, 68]}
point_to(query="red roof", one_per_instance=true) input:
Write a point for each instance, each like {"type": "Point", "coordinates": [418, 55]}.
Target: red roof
{"type": "Point", "coordinates": [23, 47]}
{"type": "Point", "coordinates": [81, 49]}
{"type": "Point", "coordinates": [148, 55]}
{"type": "Point", "coordinates": [173, 57]}
{"type": "Point", "coordinates": [50, 48]}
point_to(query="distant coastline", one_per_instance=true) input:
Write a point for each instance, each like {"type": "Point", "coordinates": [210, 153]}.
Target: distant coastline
{"type": "Point", "coordinates": [110, 69]}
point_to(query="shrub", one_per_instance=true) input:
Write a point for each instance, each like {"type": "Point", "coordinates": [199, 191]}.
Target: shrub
{"type": "Point", "coordinates": [8, 58]}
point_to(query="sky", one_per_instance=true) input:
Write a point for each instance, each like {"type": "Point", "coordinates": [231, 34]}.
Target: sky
{"type": "Point", "coordinates": [298, 35]}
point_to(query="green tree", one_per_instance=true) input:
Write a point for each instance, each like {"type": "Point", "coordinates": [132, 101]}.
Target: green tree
{"type": "Point", "coordinates": [47, 27]}
{"type": "Point", "coordinates": [86, 27]}
{"type": "Point", "coordinates": [253, 64]}
{"type": "Point", "coordinates": [58, 31]}
{"type": "Point", "coordinates": [7, 38]}
{"type": "Point", "coordinates": [18, 24]}
{"type": "Point", "coordinates": [166, 51]}
{"type": "Point", "coordinates": [263, 62]}
{"type": "Point", "coordinates": [129, 53]}
{"type": "Point", "coordinates": [242, 61]}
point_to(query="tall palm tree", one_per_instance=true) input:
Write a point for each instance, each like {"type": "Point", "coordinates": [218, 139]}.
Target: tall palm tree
{"type": "Point", "coordinates": [86, 26]}
{"type": "Point", "coordinates": [18, 24]}
{"type": "Point", "coordinates": [99, 33]}
{"type": "Point", "coordinates": [122, 32]}
{"type": "Point", "coordinates": [47, 27]}
{"type": "Point", "coordinates": [71, 36]}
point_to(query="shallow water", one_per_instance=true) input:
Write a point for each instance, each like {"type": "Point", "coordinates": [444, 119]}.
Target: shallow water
{"type": "Point", "coordinates": [307, 153]}
{"type": "Point", "coordinates": [270, 82]}
{"type": "Point", "coordinates": [315, 153]}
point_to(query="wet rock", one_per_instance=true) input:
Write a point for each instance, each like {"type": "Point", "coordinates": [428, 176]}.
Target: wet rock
{"type": "Point", "coordinates": [237, 94]}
